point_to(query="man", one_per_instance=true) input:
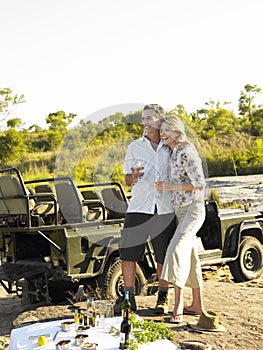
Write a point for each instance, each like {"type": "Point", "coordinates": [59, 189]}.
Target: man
{"type": "Point", "coordinates": [150, 214]}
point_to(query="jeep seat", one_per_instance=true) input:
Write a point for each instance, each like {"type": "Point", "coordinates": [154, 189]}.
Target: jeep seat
{"type": "Point", "coordinates": [95, 204]}
{"type": "Point", "coordinates": [16, 201]}
{"type": "Point", "coordinates": [71, 202]}
{"type": "Point", "coordinates": [115, 203]}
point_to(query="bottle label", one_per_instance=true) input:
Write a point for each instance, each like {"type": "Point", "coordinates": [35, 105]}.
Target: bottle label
{"type": "Point", "coordinates": [122, 338]}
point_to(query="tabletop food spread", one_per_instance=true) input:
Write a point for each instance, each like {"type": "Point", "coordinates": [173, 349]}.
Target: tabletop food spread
{"type": "Point", "coordinates": [64, 335]}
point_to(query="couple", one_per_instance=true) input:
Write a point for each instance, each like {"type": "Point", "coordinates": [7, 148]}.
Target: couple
{"type": "Point", "coordinates": [166, 176]}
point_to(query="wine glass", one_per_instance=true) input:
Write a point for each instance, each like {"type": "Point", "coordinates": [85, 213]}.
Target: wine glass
{"type": "Point", "coordinates": [158, 178]}
{"type": "Point", "coordinates": [139, 166]}
{"type": "Point", "coordinates": [90, 304]}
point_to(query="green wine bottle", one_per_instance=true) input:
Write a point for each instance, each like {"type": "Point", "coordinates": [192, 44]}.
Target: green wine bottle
{"type": "Point", "coordinates": [81, 317]}
{"type": "Point", "coordinates": [125, 330]}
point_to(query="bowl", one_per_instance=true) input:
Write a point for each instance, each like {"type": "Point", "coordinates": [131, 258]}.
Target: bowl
{"type": "Point", "coordinates": [80, 339]}
{"type": "Point", "coordinates": [89, 346]}
{"type": "Point", "coordinates": [68, 326]}
{"type": "Point", "coordinates": [63, 345]}
{"type": "Point", "coordinates": [82, 329]}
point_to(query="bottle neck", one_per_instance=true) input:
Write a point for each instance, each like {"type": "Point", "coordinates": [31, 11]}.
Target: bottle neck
{"type": "Point", "coordinates": [127, 314]}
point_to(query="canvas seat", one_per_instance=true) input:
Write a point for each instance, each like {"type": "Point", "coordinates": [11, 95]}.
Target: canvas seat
{"type": "Point", "coordinates": [42, 189]}
{"type": "Point", "coordinates": [115, 203]}
{"type": "Point", "coordinates": [71, 202]}
{"type": "Point", "coordinates": [16, 202]}
{"type": "Point", "coordinates": [95, 204]}
{"type": "Point", "coordinates": [51, 209]}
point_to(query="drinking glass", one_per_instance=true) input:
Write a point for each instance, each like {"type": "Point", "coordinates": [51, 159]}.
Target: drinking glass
{"type": "Point", "coordinates": [96, 307]}
{"type": "Point", "coordinates": [157, 179]}
{"type": "Point", "coordinates": [110, 310]}
{"type": "Point", "coordinates": [139, 163]}
{"type": "Point", "coordinates": [90, 304]}
{"type": "Point", "coordinates": [103, 309]}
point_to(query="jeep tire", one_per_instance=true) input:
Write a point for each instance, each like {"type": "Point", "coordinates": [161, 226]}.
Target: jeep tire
{"type": "Point", "coordinates": [249, 264]}
{"type": "Point", "coordinates": [112, 280]}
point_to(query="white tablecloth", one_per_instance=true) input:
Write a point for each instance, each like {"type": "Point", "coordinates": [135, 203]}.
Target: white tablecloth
{"type": "Point", "coordinates": [25, 338]}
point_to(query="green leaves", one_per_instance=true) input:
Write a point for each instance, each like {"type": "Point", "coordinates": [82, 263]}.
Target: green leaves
{"type": "Point", "coordinates": [147, 331]}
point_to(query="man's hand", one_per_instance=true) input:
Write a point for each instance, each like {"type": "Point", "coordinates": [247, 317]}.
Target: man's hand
{"type": "Point", "coordinates": [136, 174]}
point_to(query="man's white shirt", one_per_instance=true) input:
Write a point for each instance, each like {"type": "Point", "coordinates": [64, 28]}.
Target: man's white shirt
{"type": "Point", "coordinates": [144, 197]}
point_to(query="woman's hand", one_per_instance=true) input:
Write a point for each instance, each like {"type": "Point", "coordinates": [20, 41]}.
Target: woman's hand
{"type": "Point", "coordinates": [162, 186]}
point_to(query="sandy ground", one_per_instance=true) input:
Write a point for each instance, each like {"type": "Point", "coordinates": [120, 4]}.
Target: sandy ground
{"type": "Point", "coordinates": [239, 305]}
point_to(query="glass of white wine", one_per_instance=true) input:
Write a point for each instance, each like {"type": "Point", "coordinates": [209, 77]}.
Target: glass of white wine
{"type": "Point", "coordinates": [139, 166]}
{"type": "Point", "coordinates": [158, 178]}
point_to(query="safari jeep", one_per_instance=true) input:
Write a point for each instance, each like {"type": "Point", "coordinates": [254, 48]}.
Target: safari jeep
{"type": "Point", "coordinates": [56, 235]}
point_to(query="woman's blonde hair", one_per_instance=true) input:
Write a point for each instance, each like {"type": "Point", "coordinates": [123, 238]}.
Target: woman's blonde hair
{"type": "Point", "coordinates": [175, 124]}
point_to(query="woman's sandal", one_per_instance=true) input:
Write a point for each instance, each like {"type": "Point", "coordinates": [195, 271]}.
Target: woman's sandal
{"type": "Point", "coordinates": [186, 311]}
{"type": "Point", "coordinates": [176, 318]}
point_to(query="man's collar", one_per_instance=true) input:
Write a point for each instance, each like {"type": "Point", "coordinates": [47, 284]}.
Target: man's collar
{"type": "Point", "coordinates": [145, 137]}
{"type": "Point", "coordinates": [160, 144]}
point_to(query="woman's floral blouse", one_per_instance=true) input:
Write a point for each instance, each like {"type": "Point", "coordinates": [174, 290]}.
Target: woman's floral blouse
{"type": "Point", "coordinates": [185, 166]}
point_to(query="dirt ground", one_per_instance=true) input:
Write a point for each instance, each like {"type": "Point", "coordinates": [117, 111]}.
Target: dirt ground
{"type": "Point", "coordinates": [239, 306]}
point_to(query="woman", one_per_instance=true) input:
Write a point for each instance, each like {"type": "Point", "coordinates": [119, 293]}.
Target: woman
{"type": "Point", "coordinates": [186, 181]}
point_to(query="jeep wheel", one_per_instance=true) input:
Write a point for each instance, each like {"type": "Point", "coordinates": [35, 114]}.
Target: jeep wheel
{"type": "Point", "coordinates": [112, 280]}
{"type": "Point", "coordinates": [249, 264]}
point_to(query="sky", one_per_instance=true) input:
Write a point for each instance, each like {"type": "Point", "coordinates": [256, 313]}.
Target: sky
{"type": "Point", "coordinates": [88, 57]}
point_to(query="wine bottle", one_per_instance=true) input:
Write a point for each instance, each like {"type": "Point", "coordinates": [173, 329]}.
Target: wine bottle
{"type": "Point", "coordinates": [125, 304]}
{"type": "Point", "coordinates": [81, 317]}
{"type": "Point", "coordinates": [85, 319]}
{"type": "Point", "coordinates": [76, 317]}
{"type": "Point", "coordinates": [125, 330]}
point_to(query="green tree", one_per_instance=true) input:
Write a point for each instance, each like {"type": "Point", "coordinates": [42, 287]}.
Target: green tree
{"type": "Point", "coordinates": [12, 146]}
{"type": "Point", "coordinates": [7, 100]}
{"type": "Point", "coordinates": [14, 123]}
{"type": "Point", "coordinates": [181, 113]}
{"type": "Point", "coordinates": [59, 121]}
{"type": "Point", "coordinates": [256, 128]}
{"type": "Point", "coordinates": [255, 152]}
{"type": "Point", "coordinates": [246, 104]}
{"type": "Point", "coordinates": [54, 139]}
{"type": "Point", "coordinates": [217, 120]}
{"type": "Point", "coordinates": [133, 118]}
{"type": "Point", "coordinates": [87, 129]}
